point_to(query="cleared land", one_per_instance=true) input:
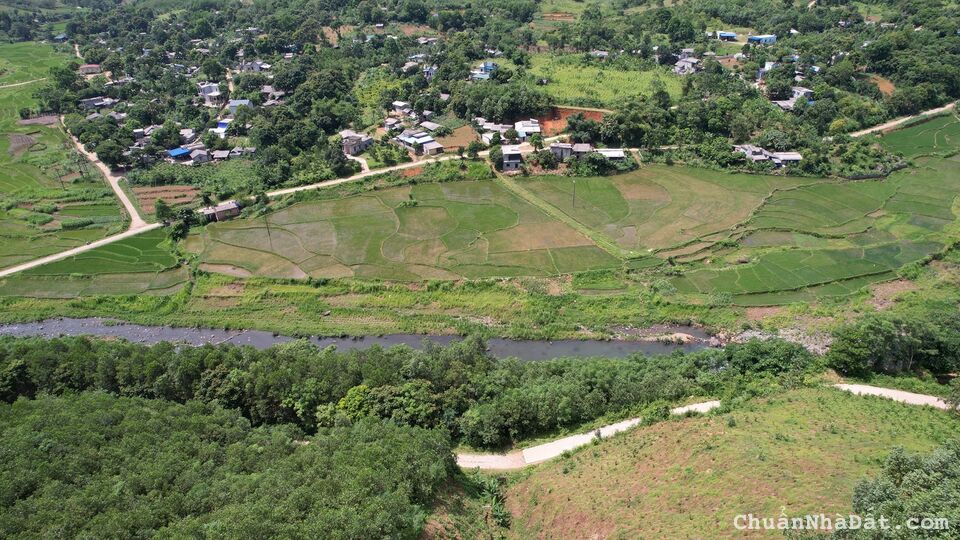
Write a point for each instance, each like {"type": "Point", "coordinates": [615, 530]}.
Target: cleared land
{"type": "Point", "coordinates": [805, 450]}
{"type": "Point", "coordinates": [49, 201]}
{"type": "Point", "coordinates": [425, 231]}
{"type": "Point", "coordinates": [575, 81]}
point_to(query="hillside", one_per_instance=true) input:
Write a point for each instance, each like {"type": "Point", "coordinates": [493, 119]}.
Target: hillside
{"type": "Point", "coordinates": [805, 450]}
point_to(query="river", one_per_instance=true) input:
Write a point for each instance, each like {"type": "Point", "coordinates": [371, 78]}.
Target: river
{"type": "Point", "coordinates": [499, 347]}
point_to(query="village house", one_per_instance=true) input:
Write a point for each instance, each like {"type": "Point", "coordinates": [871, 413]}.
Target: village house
{"type": "Point", "coordinates": [353, 143]}
{"type": "Point", "coordinates": [799, 94]}
{"type": "Point", "coordinates": [89, 69]}
{"type": "Point", "coordinates": [484, 71]}
{"type": "Point", "coordinates": [599, 54]}
{"type": "Point", "coordinates": [199, 156]}
{"type": "Point", "coordinates": [527, 128]}
{"type": "Point", "coordinates": [430, 126]}
{"type": "Point", "coordinates": [724, 35]}
{"type": "Point", "coordinates": [419, 141]}
{"type": "Point", "coordinates": [561, 150]}
{"type": "Point", "coordinates": [391, 123]}
{"type": "Point", "coordinates": [429, 72]}
{"type": "Point", "coordinates": [99, 102]}
{"type": "Point", "coordinates": [188, 135]}
{"type": "Point", "coordinates": [401, 107]}
{"type": "Point", "coordinates": [220, 155]}
{"type": "Point", "coordinates": [221, 212]}
{"type": "Point", "coordinates": [756, 154]}
{"type": "Point", "coordinates": [686, 66]}
{"type": "Point", "coordinates": [255, 66]}
{"type": "Point", "coordinates": [581, 149]}
{"type": "Point", "coordinates": [235, 104]}
{"type": "Point", "coordinates": [210, 92]}
{"type": "Point", "coordinates": [512, 158]}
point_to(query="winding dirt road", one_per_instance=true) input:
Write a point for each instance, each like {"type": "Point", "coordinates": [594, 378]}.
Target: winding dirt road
{"type": "Point", "coordinates": [24, 83]}
{"type": "Point", "coordinates": [896, 395]}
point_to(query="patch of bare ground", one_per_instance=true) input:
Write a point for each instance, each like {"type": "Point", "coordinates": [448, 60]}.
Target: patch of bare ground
{"type": "Point", "coordinates": [885, 294]}
{"type": "Point", "coordinates": [410, 172]}
{"type": "Point", "coordinates": [232, 289]}
{"type": "Point", "coordinates": [45, 120]}
{"type": "Point", "coordinates": [19, 143]}
{"type": "Point", "coordinates": [761, 313]}
{"type": "Point", "coordinates": [227, 269]}
{"type": "Point", "coordinates": [462, 136]}
{"type": "Point", "coordinates": [172, 195]}
{"type": "Point", "coordinates": [885, 85]}
{"type": "Point", "coordinates": [559, 16]}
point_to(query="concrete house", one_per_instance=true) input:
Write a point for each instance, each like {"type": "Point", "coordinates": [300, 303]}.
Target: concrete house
{"type": "Point", "coordinates": [686, 66]}
{"type": "Point", "coordinates": [512, 158]}
{"type": "Point", "coordinates": [561, 150]}
{"type": "Point", "coordinates": [200, 156]}
{"type": "Point", "coordinates": [526, 128]}
{"type": "Point", "coordinates": [757, 154]}
{"type": "Point", "coordinates": [353, 143]}
{"type": "Point", "coordinates": [484, 71]}
{"type": "Point", "coordinates": [581, 149]}
{"type": "Point", "coordinates": [222, 211]}
{"type": "Point", "coordinates": [800, 94]}
{"type": "Point", "coordinates": [235, 104]}
{"type": "Point", "coordinates": [210, 92]}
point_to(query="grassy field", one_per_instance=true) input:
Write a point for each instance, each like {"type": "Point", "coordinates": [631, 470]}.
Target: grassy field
{"type": "Point", "coordinates": [576, 81]}
{"type": "Point", "coordinates": [48, 203]}
{"type": "Point", "coordinates": [425, 231]}
{"type": "Point", "coordinates": [804, 450]}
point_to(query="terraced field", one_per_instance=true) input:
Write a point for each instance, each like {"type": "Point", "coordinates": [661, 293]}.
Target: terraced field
{"type": "Point", "coordinates": [141, 264]}
{"type": "Point", "coordinates": [427, 231]}
{"type": "Point", "coordinates": [47, 203]}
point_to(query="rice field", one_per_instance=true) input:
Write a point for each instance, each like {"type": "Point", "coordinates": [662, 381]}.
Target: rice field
{"type": "Point", "coordinates": [141, 264]}
{"type": "Point", "coordinates": [452, 230]}
{"type": "Point", "coordinates": [46, 204]}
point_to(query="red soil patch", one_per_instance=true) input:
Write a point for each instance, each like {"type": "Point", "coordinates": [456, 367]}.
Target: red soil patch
{"type": "Point", "coordinates": [172, 195]}
{"type": "Point", "coordinates": [885, 85]}
{"type": "Point", "coordinates": [555, 121]}
{"type": "Point", "coordinates": [412, 29]}
{"type": "Point", "coordinates": [462, 136]}
{"type": "Point", "coordinates": [412, 171]}
{"type": "Point", "coordinates": [761, 313]}
{"type": "Point", "coordinates": [559, 16]}
{"type": "Point", "coordinates": [331, 34]}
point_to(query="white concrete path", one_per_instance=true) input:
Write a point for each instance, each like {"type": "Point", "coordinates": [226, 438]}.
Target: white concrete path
{"type": "Point", "coordinates": [897, 122]}
{"type": "Point", "coordinates": [896, 395]}
{"type": "Point", "coordinates": [543, 452]}
{"type": "Point", "coordinates": [75, 251]}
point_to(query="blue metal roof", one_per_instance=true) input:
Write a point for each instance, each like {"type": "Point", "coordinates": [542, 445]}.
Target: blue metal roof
{"type": "Point", "coordinates": [178, 152]}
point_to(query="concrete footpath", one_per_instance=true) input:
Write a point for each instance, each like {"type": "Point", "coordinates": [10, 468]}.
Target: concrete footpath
{"type": "Point", "coordinates": [896, 395]}
{"type": "Point", "coordinates": [543, 452]}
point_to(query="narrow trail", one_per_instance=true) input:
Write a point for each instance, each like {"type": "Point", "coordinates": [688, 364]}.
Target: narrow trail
{"type": "Point", "coordinates": [901, 396]}
{"type": "Point", "coordinates": [136, 222]}
{"type": "Point", "coordinates": [24, 83]}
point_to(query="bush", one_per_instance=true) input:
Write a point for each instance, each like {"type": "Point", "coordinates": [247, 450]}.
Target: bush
{"type": "Point", "coordinates": [76, 223]}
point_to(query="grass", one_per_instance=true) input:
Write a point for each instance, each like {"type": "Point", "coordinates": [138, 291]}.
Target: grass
{"type": "Point", "coordinates": [804, 450]}
{"type": "Point", "coordinates": [31, 156]}
{"type": "Point", "coordinates": [574, 80]}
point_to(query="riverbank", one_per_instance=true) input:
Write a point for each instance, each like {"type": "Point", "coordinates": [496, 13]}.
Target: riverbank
{"type": "Point", "coordinates": [530, 350]}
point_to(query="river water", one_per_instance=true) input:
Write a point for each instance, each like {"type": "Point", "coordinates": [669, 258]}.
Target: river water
{"type": "Point", "coordinates": [499, 347]}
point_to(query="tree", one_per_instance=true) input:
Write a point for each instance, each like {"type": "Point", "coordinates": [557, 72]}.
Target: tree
{"type": "Point", "coordinates": [163, 211]}
{"type": "Point", "coordinates": [536, 140]}
{"type": "Point", "coordinates": [111, 153]}
{"type": "Point", "coordinates": [511, 135]}
{"type": "Point", "coordinates": [496, 158]}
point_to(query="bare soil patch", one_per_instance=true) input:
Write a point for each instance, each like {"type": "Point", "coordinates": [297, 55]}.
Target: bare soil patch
{"type": "Point", "coordinates": [761, 313]}
{"type": "Point", "coordinates": [412, 171]}
{"type": "Point", "coordinates": [412, 29]}
{"type": "Point", "coordinates": [462, 136]}
{"type": "Point", "coordinates": [172, 195]}
{"type": "Point", "coordinates": [555, 121]}
{"type": "Point", "coordinates": [20, 142]}
{"type": "Point", "coordinates": [559, 16]}
{"type": "Point", "coordinates": [885, 85]}
{"type": "Point", "coordinates": [332, 36]}
{"type": "Point", "coordinates": [44, 120]}
{"type": "Point", "coordinates": [885, 294]}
